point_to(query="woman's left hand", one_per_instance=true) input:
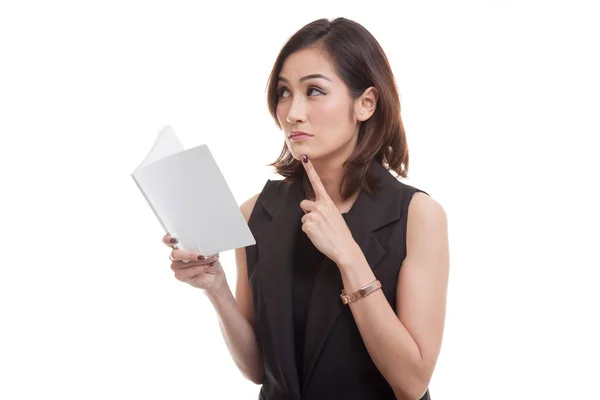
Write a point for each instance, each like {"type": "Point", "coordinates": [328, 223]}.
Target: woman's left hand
{"type": "Point", "coordinates": [323, 222]}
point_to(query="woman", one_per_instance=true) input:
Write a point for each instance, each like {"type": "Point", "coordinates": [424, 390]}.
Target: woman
{"type": "Point", "coordinates": [339, 222]}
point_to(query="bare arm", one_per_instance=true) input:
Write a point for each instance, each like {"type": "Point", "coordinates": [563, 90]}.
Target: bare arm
{"type": "Point", "coordinates": [236, 315]}
{"type": "Point", "coordinates": [405, 346]}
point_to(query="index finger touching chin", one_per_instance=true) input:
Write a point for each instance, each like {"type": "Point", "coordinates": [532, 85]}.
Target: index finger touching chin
{"type": "Point", "coordinates": [315, 180]}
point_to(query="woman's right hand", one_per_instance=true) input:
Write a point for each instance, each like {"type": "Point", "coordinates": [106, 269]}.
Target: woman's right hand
{"type": "Point", "coordinates": [203, 273]}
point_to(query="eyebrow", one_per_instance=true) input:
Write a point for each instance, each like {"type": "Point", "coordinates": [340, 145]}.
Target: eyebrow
{"type": "Point", "coordinates": [304, 78]}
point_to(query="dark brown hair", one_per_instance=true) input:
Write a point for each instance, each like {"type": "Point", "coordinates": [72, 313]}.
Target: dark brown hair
{"type": "Point", "coordinates": [361, 63]}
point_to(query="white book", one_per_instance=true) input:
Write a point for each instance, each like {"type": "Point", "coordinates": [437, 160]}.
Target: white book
{"type": "Point", "coordinates": [190, 197]}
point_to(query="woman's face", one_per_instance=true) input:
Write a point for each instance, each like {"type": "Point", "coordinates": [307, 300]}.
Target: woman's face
{"type": "Point", "coordinates": [314, 100]}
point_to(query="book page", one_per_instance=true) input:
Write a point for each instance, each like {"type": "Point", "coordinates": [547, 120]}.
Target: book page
{"type": "Point", "coordinates": [193, 202]}
{"type": "Point", "coordinates": [166, 143]}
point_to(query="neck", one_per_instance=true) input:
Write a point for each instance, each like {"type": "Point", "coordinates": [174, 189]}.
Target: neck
{"type": "Point", "coordinates": [331, 173]}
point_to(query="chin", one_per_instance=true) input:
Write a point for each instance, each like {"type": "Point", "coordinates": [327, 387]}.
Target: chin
{"type": "Point", "coordinates": [298, 155]}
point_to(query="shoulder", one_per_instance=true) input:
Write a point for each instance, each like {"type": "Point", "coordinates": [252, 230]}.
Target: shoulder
{"type": "Point", "coordinates": [413, 200]}
{"type": "Point", "coordinates": [424, 205]}
{"type": "Point", "coordinates": [426, 216]}
{"type": "Point", "coordinates": [247, 206]}
{"type": "Point", "coordinates": [422, 210]}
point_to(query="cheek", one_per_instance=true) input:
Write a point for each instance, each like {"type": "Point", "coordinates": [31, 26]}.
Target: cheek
{"type": "Point", "coordinates": [281, 115]}
{"type": "Point", "coordinates": [331, 115]}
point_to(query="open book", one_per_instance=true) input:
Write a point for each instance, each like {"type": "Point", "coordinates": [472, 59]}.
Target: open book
{"type": "Point", "coordinates": [190, 197]}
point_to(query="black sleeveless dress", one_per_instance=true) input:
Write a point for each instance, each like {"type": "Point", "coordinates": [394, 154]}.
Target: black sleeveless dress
{"type": "Point", "coordinates": [310, 345]}
{"type": "Point", "coordinates": [307, 259]}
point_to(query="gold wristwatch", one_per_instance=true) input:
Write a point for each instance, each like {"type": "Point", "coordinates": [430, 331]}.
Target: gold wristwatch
{"type": "Point", "coordinates": [359, 294]}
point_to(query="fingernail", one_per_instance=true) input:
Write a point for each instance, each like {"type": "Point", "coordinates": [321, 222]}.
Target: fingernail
{"type": "Point", "coordinates": [201, 258]}
{"type": "Point", "coordinates": [173, 240]}
{"type": "Point", "coordinates": [304, 158]}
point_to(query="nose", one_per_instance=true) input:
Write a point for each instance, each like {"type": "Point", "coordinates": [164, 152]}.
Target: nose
{"type": "Point", "coordinates": [297, 111]}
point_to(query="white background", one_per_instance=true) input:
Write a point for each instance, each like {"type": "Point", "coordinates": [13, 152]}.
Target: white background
{"type": "Point", "coordinates": [500, 100]}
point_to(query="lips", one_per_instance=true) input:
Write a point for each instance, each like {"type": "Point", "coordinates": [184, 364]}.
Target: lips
{"type": "Point", "coordinates": [298, 133]}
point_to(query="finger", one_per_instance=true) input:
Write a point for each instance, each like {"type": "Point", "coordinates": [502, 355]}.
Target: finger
{"type": "Point", "coordinates": [170, 241]}
{"type": "Point", "coordinates": [192, 273]}
{"type": "Point", "coordinates": [187, 264]}
{"type": "Point", "coordinates": [212, 266]}
{"type": "Point", "coordinates": [208, 269]}
{"type": "Point", "coordinates": [308, 206]}
{"type": "Point", "coordinates": [315, 180]}
{"type": "Point", "coordinates": [187, 273]}
{"type": "Point", "coordinates": [179, 265]}
{"type": "Point", "coordinates": [182, 255]}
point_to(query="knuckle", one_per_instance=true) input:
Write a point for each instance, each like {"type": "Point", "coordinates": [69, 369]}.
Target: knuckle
{"type": "Point", "coordinates": [195, 271]}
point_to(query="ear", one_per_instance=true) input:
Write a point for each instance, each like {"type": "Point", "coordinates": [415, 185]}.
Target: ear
{"type": "Point", "coordinates": [364, 106]}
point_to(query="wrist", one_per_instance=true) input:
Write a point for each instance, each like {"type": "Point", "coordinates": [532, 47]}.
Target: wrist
{"type": "Point", "coordinates": [218, 291]}
{"type": "Point", "coordinates": [350, 258]}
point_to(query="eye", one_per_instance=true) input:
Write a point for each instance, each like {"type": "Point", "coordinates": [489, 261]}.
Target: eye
{"type": "Point", "coordinates": [316, 90]}
{"type": "Point", "coordinates": [311, 90]}
{"type": "Point", "coordinates": [281, 90]}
